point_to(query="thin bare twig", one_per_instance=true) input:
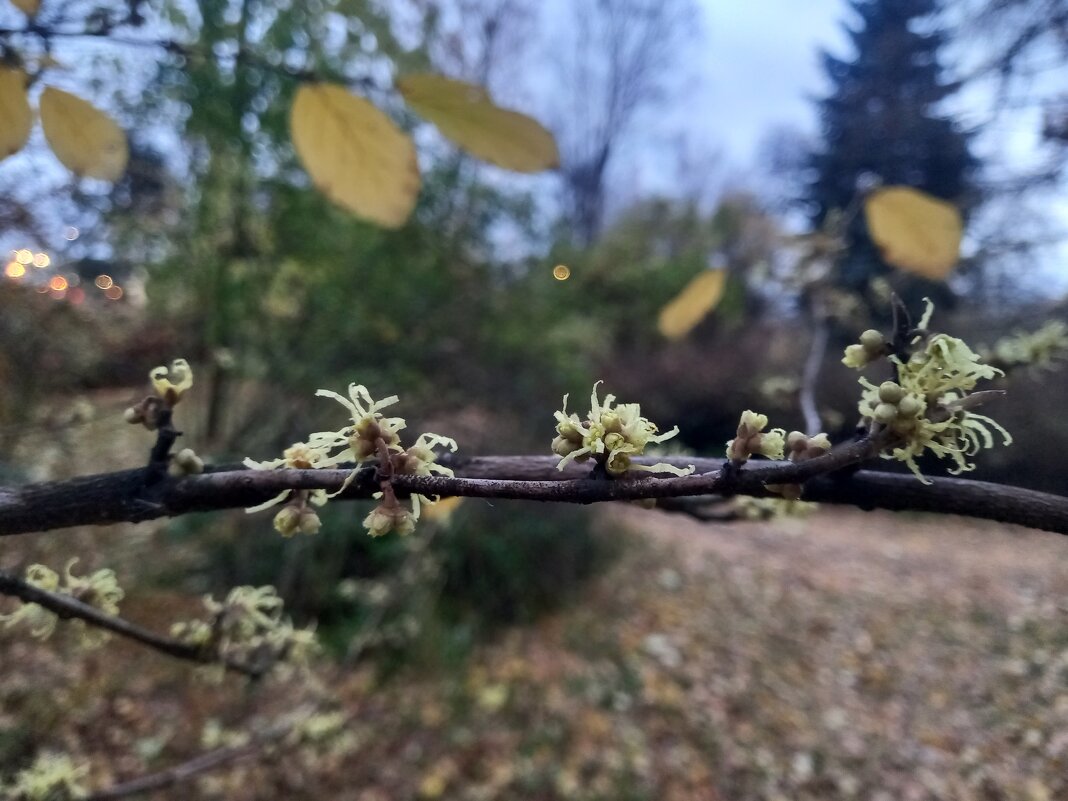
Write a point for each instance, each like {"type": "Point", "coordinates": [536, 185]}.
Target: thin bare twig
{"type": "Point", "coordinates": [202, 763]}
{"type": "Point", "coordinates": [810, 376]}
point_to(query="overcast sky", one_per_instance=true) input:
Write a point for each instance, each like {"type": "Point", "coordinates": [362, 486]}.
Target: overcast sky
{"type": "Point", "coordinates": [761, 64]}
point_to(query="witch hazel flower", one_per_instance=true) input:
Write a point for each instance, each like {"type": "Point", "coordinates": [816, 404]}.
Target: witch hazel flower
{"type": "Point", "coordinates": [370, 436]}
{"type": "Point", "coordinates": [929, 408]}
{"type": "Point", "coordinates": [611, 435]}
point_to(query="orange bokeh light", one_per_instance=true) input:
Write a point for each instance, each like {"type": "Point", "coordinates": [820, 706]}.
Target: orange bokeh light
{"type": "Point", "coordinates": [113, 292]}
{"type": "Point", "coordinates": [14, 270]}
{"type": "Point", "coordinates": [57, 283]}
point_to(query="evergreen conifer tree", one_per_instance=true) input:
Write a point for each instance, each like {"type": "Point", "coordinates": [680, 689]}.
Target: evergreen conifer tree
{"type": "Point", "coordinates": [885, 118]}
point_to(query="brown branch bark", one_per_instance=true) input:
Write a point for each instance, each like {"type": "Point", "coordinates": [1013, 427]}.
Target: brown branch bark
{"type": "Point", "coordinates": [69, 608]}
{"type": "Point", "coordinates": [124, 497]}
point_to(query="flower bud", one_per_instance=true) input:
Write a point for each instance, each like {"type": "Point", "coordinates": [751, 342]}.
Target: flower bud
{"type": "Point", "coordinates": [287, 521]}
{"type": "Point", "coordinates": [890, 392]}
{"type": "Point", "coordinates": [872, 340]}
{"type": "Point", "coordinates": [909, 406]}
{"type": "Point", "coordinates": [189, 462]}
{"type": "Point", "coordinates": [309, 522]}
{"type": "Point", "coordinates": [885, 413]}
{"type": "Point", "coordinates": [563, 446]}
{"type": "Point", "coordinates": [617, 464]}
{"type": "Point", "coordinates": [384, 519]}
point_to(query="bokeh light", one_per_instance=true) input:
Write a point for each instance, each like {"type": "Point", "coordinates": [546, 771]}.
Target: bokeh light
{"type": "Point", "coordinates": [113, 292]}
{"type": "Point", "coordinates": [24, 256]}
{"type": "Point", "coordinates": [561, 272]}
{"type": "Point", "coordinates": [71, 233]}
{"type": "Point", "coordinates": [57, 283]}
{"type": "Point", "coordinates": [14, 270]}
{"type": "Point", "coordinates": [103, 281]}
{"type": "Point", "coordinates": [41, 260]}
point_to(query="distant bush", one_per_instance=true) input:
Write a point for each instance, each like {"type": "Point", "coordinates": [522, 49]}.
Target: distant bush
{"type": "Point", "coordinates": [510, 565]}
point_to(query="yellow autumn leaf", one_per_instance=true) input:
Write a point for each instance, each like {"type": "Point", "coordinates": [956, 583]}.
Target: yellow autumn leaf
{"type": "Point", "coordinates": [16, 116]}
{"type": "Point", "coordinates": [442, 510]}
{"type": "Point", "coordinates": [690, 306]}
{"type": "Point", "coordinates": [466, 115]}
{"type": "Point", "coordinates": [84, 138]}
{"type": "Point", "coordinates": [914, 231]}
{"type": "Point", "coordinates": [27, 7]}
{"type": "Point", "coordinates": [354, 153]}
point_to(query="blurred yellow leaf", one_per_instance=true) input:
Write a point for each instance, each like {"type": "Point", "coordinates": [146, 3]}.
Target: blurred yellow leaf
{"type": "Point", "coordinates": [442, 510]}
{"type": "Point", "coordinates": [690, 306]}
{"type": "Point", "coordinates": [84, 138]}
{"type": "Point", "coordinates": [27, 7]}
{"type": "Point", "coordinates": [354, 153]}
{"type": "Point", "coordinates": [465, 114]}
{"type": "Point", "coordinates": [16, 116]}
{"type": "Point", "coordinates": [915, 232]}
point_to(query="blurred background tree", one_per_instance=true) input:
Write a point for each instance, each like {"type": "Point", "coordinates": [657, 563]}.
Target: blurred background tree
{"type": "Point", "coordinates": [885, 120]}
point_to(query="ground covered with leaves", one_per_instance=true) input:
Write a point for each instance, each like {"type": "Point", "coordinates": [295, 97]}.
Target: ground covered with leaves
{"type": "Point", "coordinates": [844, 655]}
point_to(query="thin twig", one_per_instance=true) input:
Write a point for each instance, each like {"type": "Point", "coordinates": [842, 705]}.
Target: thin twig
{"type": "Point", "coordinates": [810, 375]}
{"type": "Point", "coordinates": [68, 607]}
{"type": "Point", "coordinates": [202, 763]}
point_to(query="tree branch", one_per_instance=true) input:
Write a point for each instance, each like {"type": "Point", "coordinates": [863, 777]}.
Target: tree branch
{"type": "Point", "coordinates": [124, 497]}
{"type": "Point", "coordinates": [68, 608]}
{"type": "Point", "coordinates": [202, 763]}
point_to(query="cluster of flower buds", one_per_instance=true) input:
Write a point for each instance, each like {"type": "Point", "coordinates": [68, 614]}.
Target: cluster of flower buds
{"type": "Point", "coordinates": [751, 438]}
{"type": "Point", "coordinates": [872, 346]}
{"type": "Point", "coordinates": [893, 407]}
{"type": "Point", "coordinates": [297, 518]}
{"type": "Point", "coordinates": [611, 436]}
{"type": "Point", "coordinates": [800, 448]}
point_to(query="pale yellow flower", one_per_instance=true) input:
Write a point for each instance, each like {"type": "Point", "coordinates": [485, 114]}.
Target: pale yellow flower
{"type": "Point", "coordinates": [610, 434]}
{"type": "Point", "coordinates": [172, 383]}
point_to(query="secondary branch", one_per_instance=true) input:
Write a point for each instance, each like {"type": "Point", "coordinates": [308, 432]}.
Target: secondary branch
{"type": "Point", "coordinates": [71, 608]}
